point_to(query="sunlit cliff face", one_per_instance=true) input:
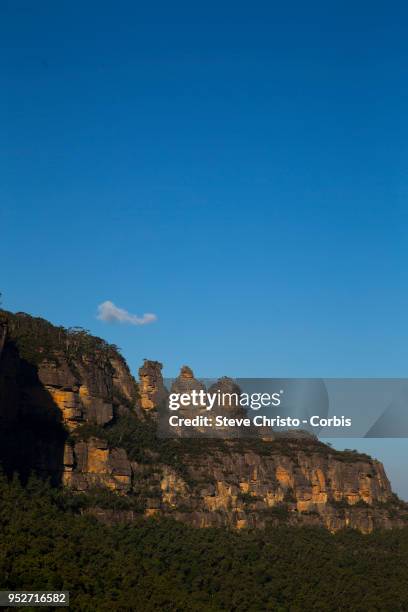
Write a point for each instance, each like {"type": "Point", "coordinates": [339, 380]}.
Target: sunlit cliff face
{"type": "Point", "coordinates": [234, 483]}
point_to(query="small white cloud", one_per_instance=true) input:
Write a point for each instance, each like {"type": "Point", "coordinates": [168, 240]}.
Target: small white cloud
{"type": "Point", "coordinates": [108, 312]}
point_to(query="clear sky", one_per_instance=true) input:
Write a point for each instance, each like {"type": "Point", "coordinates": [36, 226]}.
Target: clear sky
{"type": "Point", "coordinates": [239, 170]}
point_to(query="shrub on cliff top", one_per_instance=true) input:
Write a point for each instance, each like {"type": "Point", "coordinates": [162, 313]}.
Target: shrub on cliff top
{"type": "Point", "coordinates": [37, 339]}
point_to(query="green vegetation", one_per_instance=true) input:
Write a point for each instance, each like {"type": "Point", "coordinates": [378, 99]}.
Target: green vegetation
{"type": "Point", "coordinates": [48, 542]}
{"type": "Point", "coordinates": [290, 447]}
{"type": "Point", "coordinates": [49, 538]}
{"type": "Point", "coordinates": [290, 496]}
{"type": "Point", "coordinates": [247, 498]}
{"type": "Point", "coordinates": [37, 340]}
{"type": "Point", "coordinates": [340, 504]}
{"type": "Point", "coordinates": [279, 511]}
{"type": "Point", "coordinates": [142, 444]}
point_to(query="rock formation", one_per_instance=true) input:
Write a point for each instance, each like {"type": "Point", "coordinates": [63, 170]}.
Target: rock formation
{"type": "Point", "coordinates": [151, 388]}
{"type": "Point", "coordinates": [186, 383]}
{"type": "Point", "coordinates": [70, 409]}
{"type": "Point", "coordinates": [92, 463]}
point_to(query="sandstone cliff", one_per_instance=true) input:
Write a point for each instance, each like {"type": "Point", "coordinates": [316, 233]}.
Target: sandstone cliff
{"type": "Point", "coordinates": [52, 381]}
{"type": "Point", "coordinates": [71, 410]}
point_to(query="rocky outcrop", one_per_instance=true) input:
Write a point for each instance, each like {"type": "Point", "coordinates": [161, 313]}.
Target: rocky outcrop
{"type": "Point", "coordinates": [52, 382]}
{"type": "Point", "coordinates": [249, 488]}
{"type": "Point", "coordinates": [229, 390]}
{"type": "Point", "coordinates": [87, 382]}
{"type": "Point", "coordinates": [185, 382]}
{"type": "Point", "coordinates": [83, 396]}
{"type": "Point", "coordinates": [92, 463]}
{"type": "Point", "coordinates": [70, 409]}
{"type": "Point", "coordinates": [151, 388]}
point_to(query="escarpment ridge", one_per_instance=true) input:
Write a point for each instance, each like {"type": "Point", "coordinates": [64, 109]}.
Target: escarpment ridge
{"type": "Point", "coordinates": [71, 411]}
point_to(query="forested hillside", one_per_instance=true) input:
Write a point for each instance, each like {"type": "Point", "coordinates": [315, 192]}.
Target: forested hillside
{"type": "Point", "coordinates": [48, 543]}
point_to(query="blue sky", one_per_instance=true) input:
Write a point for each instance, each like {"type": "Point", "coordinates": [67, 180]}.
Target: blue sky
{"type": "Point", "coordinates": [237, 170]}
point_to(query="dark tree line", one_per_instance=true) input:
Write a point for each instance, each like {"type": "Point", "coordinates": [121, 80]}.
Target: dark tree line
{"type": "Point", "coordinates": [48, 542]}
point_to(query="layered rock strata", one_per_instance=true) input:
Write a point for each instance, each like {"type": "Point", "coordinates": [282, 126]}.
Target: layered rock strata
{"type": "Point", "coordinates": [64, 394]}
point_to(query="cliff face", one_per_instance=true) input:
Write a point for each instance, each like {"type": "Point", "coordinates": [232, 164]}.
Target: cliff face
{"type": "Point", "coordinates": [246, 489]}
{"type": "Point", "coordinates": [53, 381]}
{"type": "Point", "coordinates": [70, 409]}
{"type": "Point", "coordinates": [151, 388]}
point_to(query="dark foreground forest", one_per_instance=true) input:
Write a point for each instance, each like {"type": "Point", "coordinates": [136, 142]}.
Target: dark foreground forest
{"type": "Point", "coordinates": [48, 542]}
